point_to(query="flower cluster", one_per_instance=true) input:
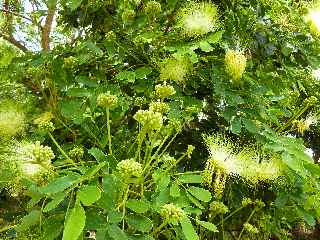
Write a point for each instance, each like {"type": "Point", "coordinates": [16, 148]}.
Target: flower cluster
{"type": "Point", "coordinates": [12, 121]}
{"type": "Point", "coordinates": [32, 160]}
{"type": "Point", "coordinates": [149, 119]}
{"type": "Point", "coordinates": [171, 213]}
{"type": "Point", "coordinates": [304, 125]}
{"type": "Point", "coordinates": [175, 69]}
{"type": "Point", "coordinates": [76, 153]}
{"type": "Point", "coordinates": [198, 19]}
{"type": "Point", "coordinates": [250, 228]}
{"type": "Point", "coordinates": [129, 168]}
{"type": "Point", "coordinates": [235, 64]}
{"type": "Point", "coordinates": [249, 164]}
{"type": "Point", "coordinates": [106, 100]}
{"type": "Point", "coordinates": [218, 208]}
{"type": "Point", "coordinates": [164, 91]}
{"type": "Point", "coordinates": [152, 8]}
{"type": "Point", "coordinates": [160, 107]}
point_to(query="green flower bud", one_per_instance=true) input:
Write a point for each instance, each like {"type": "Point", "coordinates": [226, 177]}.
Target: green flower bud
{"type": "Point", "coordinates": [198, 19]}
{"type": "Point", "coordinates": [171, 213]}
{"type": "Point", "coordinates": [106, 100]}
{"type": "Point", "coordinates": [76, 153]}
{"type": "Point", "coordinates": [168, 160]}
{"type": "Point", "coordinates": [160, 107]}
{"type": "Point", "coordinates": [164, 91]}
{"type": "Point", "coordinates": [190, 150]}
{"type": "Point", "coordinates": [250, 228]}
{"type": "Point", "coordinates": [129, 168]}
{"type": "Point", "coordinates": [218, 208]}
{"type": "Point", "coordinates": [152, 8]}
{"type": "Point", "coordinates": [139, 101]}
{"type": "Point", "coordinates": [259, 204]}
{"type": "Point", "coordinates": [128, 15]}
{"type": "Point", "coordinates": [310, 101]}
{"type": "Point", "coordinates": [46, 126]}
{"type": "Point", "coordinates": [246, 201]}
{"type": "Point", "coordinates": [235, 63]}
{"type": "Point", "coordinates": [42, 154]}
{"type": "Point", "coordinates": [149, 119]}
{"type": "Point", "coordinates": [111, 36]}
{"type": "Point", "coordinates": [175, 69]}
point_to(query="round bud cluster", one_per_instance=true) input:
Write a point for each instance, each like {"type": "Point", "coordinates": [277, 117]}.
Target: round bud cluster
{"type": "Point", "coordinates": [235, 63]}
{"type": "Point", "coordinates": [190, 150]}
{"type": "Point", "coordinates": [250, 228]}
{"type": "Point", "coordinates": [175, 69]}
{"type": "Point", "coordinates": [168, 160]}
{"type": "Point", "coordinates": [42, 154]}
{"type": "Point", "coordinates": [76, 152]}
{"type": "Point", "coordinates": [218, 208]}
{"type": "Point", "coordinates": [129, 168]}
{"type": "Point", "coordinates": [46, 126]}
{"type": "Point", "coordinates": [128, 15]}
{"type": "Point", "coordinates": [152, 8]}
{"type": "Point", "coordinates": [69, 61]}
{"type": "Point", "coordinates": [164, 91]}
{"type": "Point", "coordinates": [106, 100]}
{"type": "Point", "coordinates": [310, 101]}
{"type": "Point", "coordinates": [111, 36]}
{"type": "Point", "coordinates": [171, 213]}
{"type": "Point", "coordinates": [198, 19]}
{"type": "Point", "coordinates": [139, 101]}
{"type": "Point", "coordinates": [12, 121]}
{"type": "Point", "coordinates": [259, 204]}
{"type": "Point", "coordinates": [149, 119]}
{"type": "Point", "coordinates": [160, 107]}
{"type": "Point", "coordinates": [246, 201]}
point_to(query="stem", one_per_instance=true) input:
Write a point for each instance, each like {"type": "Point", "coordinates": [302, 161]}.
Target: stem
{"type": "Point", "coordinates": [230, 215]}
{"type": "Point", "coordinates": [109, 134]}
{"type": "Point", "coordinates": [159, 228]}
{"type": "Point", "coordinates": [124, 205]}
{"type": "Point", "coordinates": [61, 150]}
{"type": "Point", "coordinates": [254, 210]}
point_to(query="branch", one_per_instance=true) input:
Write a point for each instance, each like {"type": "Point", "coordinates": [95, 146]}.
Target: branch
{"type": "Point", "coordinates": [13, 41]}
{"type": "Point", "coordinates": [46, 30]}
{"type": "Point", "coordinates": [16, 14]}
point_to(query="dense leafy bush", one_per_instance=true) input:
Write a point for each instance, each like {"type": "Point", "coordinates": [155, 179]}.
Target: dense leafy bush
{"type": "Point", "coordinates": [139, 119]}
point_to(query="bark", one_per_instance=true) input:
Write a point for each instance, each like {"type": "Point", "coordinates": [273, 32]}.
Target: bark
{"type": "Point", "coordinates": [46, 30]}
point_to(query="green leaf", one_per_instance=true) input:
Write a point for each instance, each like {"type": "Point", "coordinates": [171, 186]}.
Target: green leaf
{"type": "Point", "coordinates": [140, 223]}
{"type": "Point", "coordinates": [162, 180]}
{"type": "Point", "coordinates": [174, 190]}
{"type": "Point", "coordinates": [207, 225]}
{"type": "Point", "coordinates": [188, 229]}
{"type": "Point", "coordinates": [75, 223]}
{"type": "Point", "coordinates": [215, 37]}
{"type": "Point", "coordinates": [89, 195]}
{"type": "Point", "coordinates": [98, 154]}
{"type": "Point", "coordinates": [60, 184]}
{"type": "Point", "coordinates": [250, 125]}
{"type": "Point", "coordinates": [116, 233]}
{"type": "Point", "coordinates": [235, 125]}
{"type": "Point", "coordinates": [74, 4]}
{"type": "Point", "coordinates": [143, 72]}
{"type": "Point", "coordinates": [190, 178]}
{"type": "Point", "coordinates": [200, 193]}
{"type": "Point", "coordinates": [205, 46]}
{"type": "Point", "coordinates": [194, 200]}
{"type": "Point", "coordinates": [56, 200]}
{"type": "Point", "coordinates": [129, 76]}
{"type": "Point", "coordinates": [28, 221]}
{"type": "Point", "coordinates": [78, 92]}
{"type": "Point", "coordinates": [138, 206]}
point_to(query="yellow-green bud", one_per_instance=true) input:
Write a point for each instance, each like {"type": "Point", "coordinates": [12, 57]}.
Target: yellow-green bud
{"type": "Point", "coordinates": [175, 69]}
{"type": "Point", "coordinates": [106, 100]}
{"type": "Point", "coordinates": [128, 15]}
{"type": "Point", "coordinates": [152, 8]}
{"type": "Point", "coordinates": [310, 101]}
{"type": "Point", "coordinates": [218, 208]}
{"type": "Point", "coordinates": [129, 168]}
{"type": "Point", "coordinates": [149, 119]}
{"type": "Point", "coordinates": [171, 213]}
{"type": "Point", "coordinates": [164, 91]}
{"type": "Point", "coordinates": [160, 107]}
{"type": "Point", "coordinates": [250, 228]}
{"type": "Point", "coordinates": [246, 201]}
{"type": "Point", "coordinates": [76, 153]}
{"type": "Point", "coordinates": [46, 126]}
{"type": "Point", "coordinates": [235, 63]}
{"type": "Point", "coordinates": [42, 154]}
{"type": "Point", "coordinates": [12, 121]}
{"type": "Point", "coordinates": [190, 150]}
